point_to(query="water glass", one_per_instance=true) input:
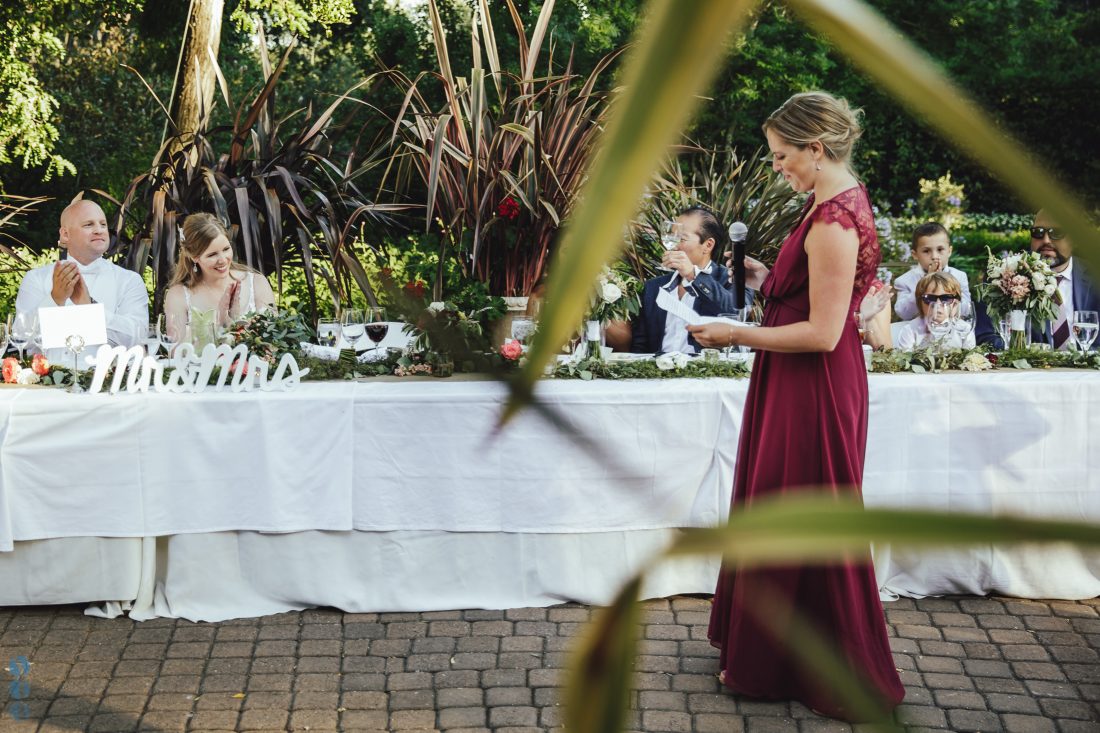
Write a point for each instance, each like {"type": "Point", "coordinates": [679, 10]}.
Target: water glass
{"type": "Point", "coordinates": [328, 332]}
{"type": "Point", "coordinates": [670, 239]}
{"type": "Point", "coordinates": [523, 329]}
{"type": "Point", "coordinates": [1085, 326]}
{"type": "Point", "coordinates": [352, 326]}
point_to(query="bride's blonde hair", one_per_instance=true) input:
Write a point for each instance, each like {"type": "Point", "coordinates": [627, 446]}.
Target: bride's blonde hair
{"type": "Point", "coordinates": [196, 234]}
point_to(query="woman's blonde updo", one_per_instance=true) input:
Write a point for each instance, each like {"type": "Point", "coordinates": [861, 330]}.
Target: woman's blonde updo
{"type": "Point", "coordinates": [818, 117]}
{"type": "Point", "coordinates": [198, 231]}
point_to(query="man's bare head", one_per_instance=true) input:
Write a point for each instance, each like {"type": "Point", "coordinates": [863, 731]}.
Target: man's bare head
{"type": "Point", "coordinates": [83, 231]}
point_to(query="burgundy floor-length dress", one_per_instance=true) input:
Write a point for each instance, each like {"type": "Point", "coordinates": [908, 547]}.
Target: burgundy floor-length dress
{"type": "Point", "coordinates": [805, 424]}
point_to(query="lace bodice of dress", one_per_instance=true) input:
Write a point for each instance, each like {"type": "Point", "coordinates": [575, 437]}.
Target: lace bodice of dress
{"type": "Point", "coordinates": [852, 210]}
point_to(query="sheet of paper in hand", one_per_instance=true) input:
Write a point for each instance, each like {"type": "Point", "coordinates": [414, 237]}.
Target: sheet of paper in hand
{"type": "Point", "coordinates": [669, 302]}
{"type": "Point", "coordinates": [85, 324]}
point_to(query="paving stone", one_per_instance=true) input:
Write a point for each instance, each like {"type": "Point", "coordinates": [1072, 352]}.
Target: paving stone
{"type": "Point", "coordinates": [973, 720]}
{"type": "Point", "coordinates": [967, 663]}
{"type": "Point", "coordinates": [1027, 724]}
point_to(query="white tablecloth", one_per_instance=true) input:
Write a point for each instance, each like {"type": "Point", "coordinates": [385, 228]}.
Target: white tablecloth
{"type": "Point", "coordinates": [376, 456]}
{"type": "Point", "coordinates": [401, 490]}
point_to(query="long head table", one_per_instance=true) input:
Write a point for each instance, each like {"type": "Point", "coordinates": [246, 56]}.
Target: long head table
{"type": "Point", "coordinates": [402, 485]}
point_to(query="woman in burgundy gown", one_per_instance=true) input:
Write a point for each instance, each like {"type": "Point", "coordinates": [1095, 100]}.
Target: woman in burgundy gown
{"type": "Point", "coordinates": [805, 422]}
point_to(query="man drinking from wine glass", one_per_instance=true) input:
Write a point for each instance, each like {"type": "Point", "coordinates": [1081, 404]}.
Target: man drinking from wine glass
{"type": "Point", "coordinates": [1079, 291]}
{"type": "Point", "coordinates": [85, 277]}
{"type": "Point", "coordinates": [698, 282]}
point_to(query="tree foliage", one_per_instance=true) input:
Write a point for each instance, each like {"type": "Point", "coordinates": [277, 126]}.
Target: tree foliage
{"type": "Point", "coordinates": [32, 36]}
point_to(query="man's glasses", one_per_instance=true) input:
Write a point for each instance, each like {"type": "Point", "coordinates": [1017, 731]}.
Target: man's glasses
{"type": "Point", "coordinates": [945, 298]}
{"type": "Point", "coordinates": [1054, 232]}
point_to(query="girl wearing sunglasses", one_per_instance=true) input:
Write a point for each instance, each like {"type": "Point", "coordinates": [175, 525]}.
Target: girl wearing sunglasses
{"type": "Point", "coordinates": [940, 321]}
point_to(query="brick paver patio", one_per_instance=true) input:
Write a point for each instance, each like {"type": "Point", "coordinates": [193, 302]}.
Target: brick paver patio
{"type": "Point", "coordinates": [969, 664]}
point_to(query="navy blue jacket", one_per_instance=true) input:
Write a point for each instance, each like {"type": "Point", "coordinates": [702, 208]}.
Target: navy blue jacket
{"type": "Point", "coordinates": [1086, 297]}
{"type": "Point", "coordinates": [712, 293]}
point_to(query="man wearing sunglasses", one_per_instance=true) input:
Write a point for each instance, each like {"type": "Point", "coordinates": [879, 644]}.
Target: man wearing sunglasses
{"type": "Point", "coordinates": [1079, 290]}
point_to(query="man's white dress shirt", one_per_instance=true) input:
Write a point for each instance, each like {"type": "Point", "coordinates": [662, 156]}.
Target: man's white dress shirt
{"type": "Point", "coordinates": [122, 293]}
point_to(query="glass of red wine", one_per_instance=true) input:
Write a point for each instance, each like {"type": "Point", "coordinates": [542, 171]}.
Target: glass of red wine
{"type": "Point", "coordinates": [377, 328]}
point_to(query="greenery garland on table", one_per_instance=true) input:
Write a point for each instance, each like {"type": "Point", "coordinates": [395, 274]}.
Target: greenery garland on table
{"type": "Point", "coordinates": [979, 359]}
{"type": "Point", "coordinates": [588, 369]}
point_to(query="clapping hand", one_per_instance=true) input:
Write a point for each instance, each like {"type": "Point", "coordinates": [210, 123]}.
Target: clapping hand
{"type": "Point", "coordinates": [875, 301]}
{"type": "Point", "coordinates": [68, 284]}
{"type": "Point", "coordinates": [228, 303]}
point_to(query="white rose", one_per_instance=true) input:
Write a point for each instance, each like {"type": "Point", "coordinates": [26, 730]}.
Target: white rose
{"type": "Point", "coordinates": [680, 360]}
{"type": "Point", "coordinates": [611, 292]}
{"type": "Point", "coordinates": [975, 363]}
{"type": "Point", "coordinates": [665, 362]}
{"type": "Point", "coordinates": [27, 376]}
{"type": "Point", "coordinates": [1038, 280]}
{"type": "Point", "coordinates": [436, 306]}
{"type": "Point", "coordinates": [1049, 288]}
{"type": "Point", "coordinates": [1010, 264]}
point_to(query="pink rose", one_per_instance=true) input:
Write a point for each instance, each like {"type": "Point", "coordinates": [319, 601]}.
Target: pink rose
{"type": "Point", "coordinates": [511, 350]}
{"type": "Point", "coordinates": [40, 365]}
{"type": "Point", "coordinates": [11, 370]}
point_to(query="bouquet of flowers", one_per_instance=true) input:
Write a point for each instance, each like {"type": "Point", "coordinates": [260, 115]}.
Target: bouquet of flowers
{"type": "Point", "coordinates": [269, 334]}
{"type": "Point", "coordinates": [1020, 285]}
{"type": "Point", "coordinates": [616, 297]}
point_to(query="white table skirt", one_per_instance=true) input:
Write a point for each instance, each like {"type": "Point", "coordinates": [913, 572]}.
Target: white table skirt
{"type": "Point", "coordinates": [408, 470]}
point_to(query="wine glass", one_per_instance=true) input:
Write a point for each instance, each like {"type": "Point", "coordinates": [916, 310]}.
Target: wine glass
{"type": "Point", "coordinates": [523, 329]}
{"type": "Point", "coordinates": [170, 329]}
{"type": "Point", "coordinates": [152, 339]}
{"type": "Point", "coordinates": [963, 325]}
{"type": "Point", "coordinates": [1004, 326]}
{"type": "Point", "coordinates": [1085, 326]}
{"type": "Point", "coordinates": [3, 338]}
{"type": "Point", "coordinates": [352, 326]}
{"type": "Point", "coordinates": [328, 332]}
{"type": "Point", "coordinates": [670, 239]}
{"type": "Point", "coordinates": [728, 348]}
{"type": "Point", "coordinates": [22, 327]}
{"type": "Point", "coordinates": [377, 328]}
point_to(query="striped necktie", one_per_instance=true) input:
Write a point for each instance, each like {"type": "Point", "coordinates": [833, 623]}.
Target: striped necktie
{"type": "Point", "coordinates": [1061, 326]}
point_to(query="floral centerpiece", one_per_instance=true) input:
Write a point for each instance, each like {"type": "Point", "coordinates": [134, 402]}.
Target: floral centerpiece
{"type": "Point", "coordinates": [1018, 287]}
{"type": "Point", "coordinates": [269, 334]}
{"type": "Point", "coordinates": [616, 297]}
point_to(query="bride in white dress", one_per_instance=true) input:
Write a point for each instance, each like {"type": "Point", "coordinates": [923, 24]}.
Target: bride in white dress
{"type": "Point", "coordinates": [209, 290]}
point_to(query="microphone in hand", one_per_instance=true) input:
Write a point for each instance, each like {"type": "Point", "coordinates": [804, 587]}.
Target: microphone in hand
{"type": "Point", "coordinates": [738, 233]}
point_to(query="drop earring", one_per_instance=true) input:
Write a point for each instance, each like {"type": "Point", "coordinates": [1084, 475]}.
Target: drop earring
{"type": "Point", "coordinates": [817, 166]}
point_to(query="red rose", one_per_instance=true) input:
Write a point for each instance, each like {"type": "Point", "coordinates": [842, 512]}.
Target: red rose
{"type": "Point", "coordinates": [11, 370]}
{"type": "Point", "coordinates": [511, 350]}
{"type": "Point", "coordinates": [508, 208]}
{"type": "Point", "coordinates": [992, 358]}
{"type": "Point", "coordinates": [40, 365]}
{"type": "Point", "coordinates": [414, 288]}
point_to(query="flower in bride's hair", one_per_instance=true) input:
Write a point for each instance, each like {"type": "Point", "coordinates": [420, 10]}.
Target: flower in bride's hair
{"type": "Point", "coordinates": [179, 229]}
{"type": "Point", "coordinates": [40, 365]}
{"type": "Point", "coordinates": [11, 370]}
